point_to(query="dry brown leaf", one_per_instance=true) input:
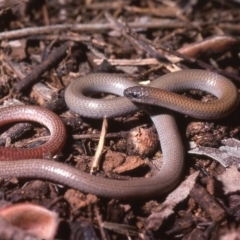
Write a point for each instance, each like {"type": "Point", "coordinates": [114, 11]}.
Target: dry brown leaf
{"type": "Point", "coordinates": [155, 220]}
{"type": "Point", "coordinates": [230, 180]}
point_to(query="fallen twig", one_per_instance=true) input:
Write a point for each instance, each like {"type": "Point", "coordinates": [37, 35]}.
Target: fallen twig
{"type": "Point", "coordinates": [47, 64]}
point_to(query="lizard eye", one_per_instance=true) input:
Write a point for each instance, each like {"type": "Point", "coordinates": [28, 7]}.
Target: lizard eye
{"type": "Point", "coordinates": [132, 93]}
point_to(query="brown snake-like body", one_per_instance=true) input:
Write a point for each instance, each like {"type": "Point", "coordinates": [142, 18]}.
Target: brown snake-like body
{"type": "Point", "coordinates": [171, 144]}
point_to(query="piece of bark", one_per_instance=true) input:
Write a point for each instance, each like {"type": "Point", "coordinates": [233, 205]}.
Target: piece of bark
{"type": "Point", "coordinates": [155, 220]}
{"type": "Point", "coordinates": [208, 203]}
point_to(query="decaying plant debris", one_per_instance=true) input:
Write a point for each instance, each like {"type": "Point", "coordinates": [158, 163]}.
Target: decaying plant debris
{"type": "Point", "coordinates": [46, 44]}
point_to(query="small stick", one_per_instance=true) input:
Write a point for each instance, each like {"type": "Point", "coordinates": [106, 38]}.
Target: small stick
{"type": "Point", "coordinates": [47, 64]}
{"type": "Point", "coordinates": [129, 62]}
{"type": "Point", "coordinates": [96, 159]}
{"type": "Point", "coordinates": [148, 47]}
{"type": "Point", "coordinates": [96, 27]}
{"type": "Point", "coordinates": [122, 134]}
{"type": "Point", "coordinates": [63, 37]}
{"type": "Point", "coordinates": [99, 221]}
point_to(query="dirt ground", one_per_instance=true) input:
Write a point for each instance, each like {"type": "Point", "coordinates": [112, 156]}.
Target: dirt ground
{"type": "Point", "coordinates": [46, 45]}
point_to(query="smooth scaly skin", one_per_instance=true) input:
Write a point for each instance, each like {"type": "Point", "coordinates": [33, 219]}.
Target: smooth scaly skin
{"type": "Point", "coordinates": [173, 152]}
{"type": "Point", "coordinates": [36, 114]}
{"type": "Point", "coordinates": [215, 84]}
